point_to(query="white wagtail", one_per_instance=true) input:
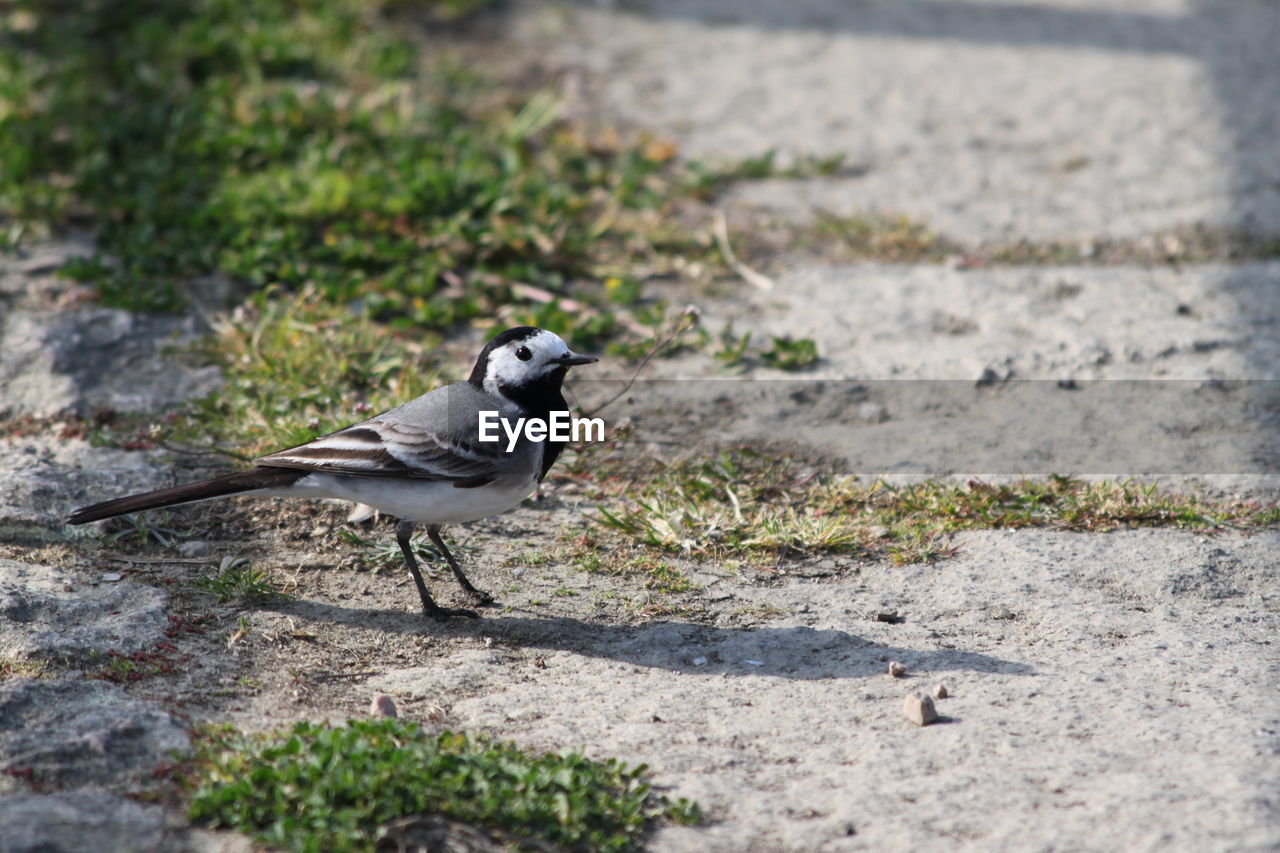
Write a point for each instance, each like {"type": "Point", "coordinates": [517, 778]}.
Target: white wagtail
{"type": "Point", "coordinates": [423, 461]}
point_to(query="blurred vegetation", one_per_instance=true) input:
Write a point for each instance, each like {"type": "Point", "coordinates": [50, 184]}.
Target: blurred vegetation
{"type": "Point", "coordinates": [356, 200]}
{"type": "Point", "coordinates": [308, 143]}
{"type": "Point", "coordinates": [311, 142]}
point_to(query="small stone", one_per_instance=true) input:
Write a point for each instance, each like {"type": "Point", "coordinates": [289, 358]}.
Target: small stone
{"type": "Point", "coordinates": [360, 513]}
{"type": "Point", "coordinates": [889, 616]}
{"type": "Point", "coordinates": [699, 661]}
{"type": "Point", "coordinates": [872, 413]}
{"type": "Point", "coordinates": [383, 706]}
{"type": "Point", "coordinates": [896, 669]}
{"type": "Point", "coordinates": [988, 378]}
{"type": "Point", "coordinates": [919, 709]}
{"type": "Point", "coordinates": [194, 548]}
{"type": "Point", "coordinates": [112, 577]}
{"type": "Point", "coordinates": [940, 691]}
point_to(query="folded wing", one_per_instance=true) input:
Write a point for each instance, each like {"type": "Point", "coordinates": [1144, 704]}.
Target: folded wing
{"type": "Point", "coordinates": [381, 448]}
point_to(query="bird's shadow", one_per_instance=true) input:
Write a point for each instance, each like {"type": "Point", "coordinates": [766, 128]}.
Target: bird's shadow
{"type": "Point", "coordinates": [793, 652]}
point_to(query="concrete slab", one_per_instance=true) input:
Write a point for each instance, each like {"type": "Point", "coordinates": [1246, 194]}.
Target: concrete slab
{"type": "Point", "coordinates": [990, 121]}
{"type": "Point", "coordinates": [1107, 692]}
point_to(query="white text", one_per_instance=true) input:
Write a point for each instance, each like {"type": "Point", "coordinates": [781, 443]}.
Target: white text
{"type": "Point", "coordinates": [561, 426]}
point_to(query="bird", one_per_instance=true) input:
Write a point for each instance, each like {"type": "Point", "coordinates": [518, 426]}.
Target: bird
{"type": "Point", "coordinates": [424, 462]}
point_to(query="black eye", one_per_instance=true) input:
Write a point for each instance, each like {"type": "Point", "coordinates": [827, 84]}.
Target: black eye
{"type": "Point", "coordinates": [523, 354]}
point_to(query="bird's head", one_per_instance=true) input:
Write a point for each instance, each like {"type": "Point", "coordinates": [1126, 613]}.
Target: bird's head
{"type": "Point", "coordinates": [523, 359]}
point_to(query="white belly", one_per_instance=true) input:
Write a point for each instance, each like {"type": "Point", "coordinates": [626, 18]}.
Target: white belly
{"type": "Point", "coordinates": [417, 500]}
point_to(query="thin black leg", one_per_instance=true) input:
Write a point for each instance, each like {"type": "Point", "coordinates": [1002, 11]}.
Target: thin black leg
{"type": "Point", "coordinates": [482, 598]}
{"type": "Point", "coordinates": [404, 530]}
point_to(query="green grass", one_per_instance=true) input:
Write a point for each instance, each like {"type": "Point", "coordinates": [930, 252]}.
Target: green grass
{"type": "Point", "coordinates": [896, 238]}
{"type": "Point", "coordinates": [657, 574]}
{"type": "Point", "coordinates": [311, 143]}
{"type": "Point", "coordinates": [766, 167]}
{"type": "Point", "coordinates": [384, 553]}
{"type": "Point", "coordinates": [161, 659]}
{"type": "Point", "coordinates": [141, 528]}
{"type": "Point", "coordinates": [237, 582]}
{"type": "Point", "coordinates": [882, 237]}
{"type": "Point", "coordinates": [19, 668]}
{"type": "Point", "coordinates": [744, 502]}
{"type": "Point", "coordinates": [298, 366]}
{"type": "Point", "coordinates": [729, 347]}
{"type": "Point", "coordinates": [322, 788]}
{"type": "Point", "coordinates": [308, 143]}
{"type": "Point", "coordinates": [361, 201]}
{"type": "Point", "coordinates": [788, 353]}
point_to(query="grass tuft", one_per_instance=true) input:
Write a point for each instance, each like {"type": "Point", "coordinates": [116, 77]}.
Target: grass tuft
{"type": "Point", "coordinates": [745, 502]}
{"type": "Point", "coordinates": [882, 237]}
{"type": "Point", "coordinates": [141, 528]}
{"type": "Point", "coordinates": [237, 582]}
{"type": "Point", "coordinates": [12, 667]}
{"type": "Point", "coordinates": [322, 788]}
{"type": "Point", "coordinates": [298, 366]}
{"type": "Point", "coordinates": [788, 353]}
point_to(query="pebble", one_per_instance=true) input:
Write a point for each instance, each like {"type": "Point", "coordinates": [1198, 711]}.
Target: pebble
{"type": "Point", "coordinates": [896, 669]}
{"type": "Point", "coordinates": [194, 548]}
{"type": "Point", "coordinates": [383, 706]}
{"type": "Point", "coordinates": [360, 513]}
{"type": "Point", "coordinates": [699, 661]}
{"type": "Point", "coordinates": [889, 616]}
{"type": "Point", "coordinates": [873, 413]}
{"type": "Point", "coordinates": [919, 709]}
{"type": "Point", "coordinates": [940, 691]}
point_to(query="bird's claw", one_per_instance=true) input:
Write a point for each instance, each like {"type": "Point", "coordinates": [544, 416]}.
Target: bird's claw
{"type": "Point", "coordinates": [448, 612]}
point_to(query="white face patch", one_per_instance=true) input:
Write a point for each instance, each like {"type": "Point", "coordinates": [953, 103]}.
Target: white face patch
{"type": "Point", "coordinates": [506, 367]}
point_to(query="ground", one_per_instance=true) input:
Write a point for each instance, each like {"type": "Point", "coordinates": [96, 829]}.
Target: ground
{"type": "Point", "coordinates": [1104, 690]}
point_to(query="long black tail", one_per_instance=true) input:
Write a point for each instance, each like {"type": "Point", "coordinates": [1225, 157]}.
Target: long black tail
{"type": "Point", "coordinates": [261, 477]}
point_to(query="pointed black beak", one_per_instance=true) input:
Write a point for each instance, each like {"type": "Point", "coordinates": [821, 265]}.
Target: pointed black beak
{"type": "Point", "coordinates": [573, 359]}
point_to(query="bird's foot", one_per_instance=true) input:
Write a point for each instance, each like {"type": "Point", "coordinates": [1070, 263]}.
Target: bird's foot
{"type": "Point", "coordinates": [480, 597]}
{"type": "Point", "coordinates": [438, 612]}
